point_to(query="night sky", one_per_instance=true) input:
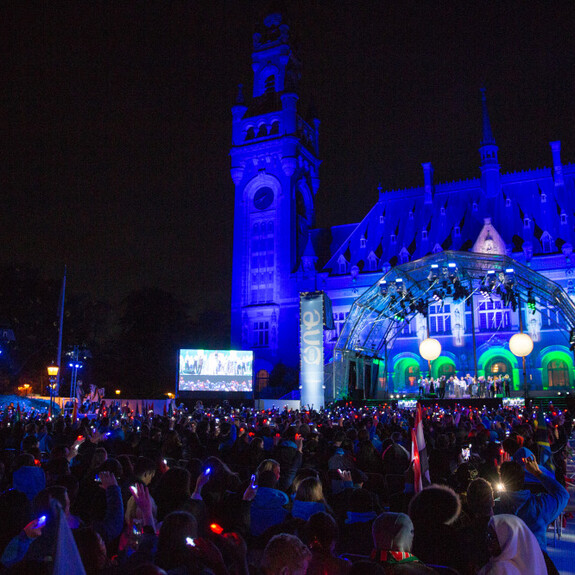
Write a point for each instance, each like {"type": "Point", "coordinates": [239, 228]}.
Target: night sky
{"type": "Point", "coordinates": [115, 121]}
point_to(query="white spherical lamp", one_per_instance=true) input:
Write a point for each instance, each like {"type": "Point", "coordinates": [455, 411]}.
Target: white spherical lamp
{"type": "Point", "coordinates": [430, 349]}
{"type": "Point", "coordinates": [521, 344]}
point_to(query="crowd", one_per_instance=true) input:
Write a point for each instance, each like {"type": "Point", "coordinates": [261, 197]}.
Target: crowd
{"type": "Point", "coordinates": [236, 491]}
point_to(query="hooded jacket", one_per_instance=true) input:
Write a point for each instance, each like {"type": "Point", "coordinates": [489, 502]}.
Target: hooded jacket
{"type": "Point", "coordinates": [267, 509]}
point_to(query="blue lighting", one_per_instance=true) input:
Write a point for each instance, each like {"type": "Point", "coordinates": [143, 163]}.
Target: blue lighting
{"type": "Point", "coordinates": [279, 253]}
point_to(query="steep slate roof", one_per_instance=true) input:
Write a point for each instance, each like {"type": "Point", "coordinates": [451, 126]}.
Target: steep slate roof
{"type": "Point", "coordinates": [531, 194]}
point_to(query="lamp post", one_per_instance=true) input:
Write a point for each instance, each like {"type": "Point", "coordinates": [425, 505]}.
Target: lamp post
{"type": "Point", "coordinates": [53, 377]}
{"type": "Point", "coordinates": [430, 349]}
{"type": "Point", "coordinates": [521, 345]}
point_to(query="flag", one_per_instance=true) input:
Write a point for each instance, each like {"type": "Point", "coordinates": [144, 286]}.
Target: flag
{"type": "Point", "coordinates": [419, 453]}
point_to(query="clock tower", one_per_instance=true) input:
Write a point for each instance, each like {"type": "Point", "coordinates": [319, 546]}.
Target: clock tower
{"type": "Point", "coordinates": [274, 168]}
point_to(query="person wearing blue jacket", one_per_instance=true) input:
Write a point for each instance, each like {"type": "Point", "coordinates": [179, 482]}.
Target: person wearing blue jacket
{"type": "Point", "coordinates": [269, 506]}
{"type": "Point", "coordinates": [537, 510]}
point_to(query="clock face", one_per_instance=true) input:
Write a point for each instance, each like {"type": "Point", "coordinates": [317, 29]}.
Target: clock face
{"type": "Point", "coordinates": [263, 198]}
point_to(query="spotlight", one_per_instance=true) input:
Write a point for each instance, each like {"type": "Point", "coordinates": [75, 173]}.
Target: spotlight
{"type": "Point", "coordinates": [383, 287]}
{"type": "Point", "coordinates": [438, 295]}
{"type": "Point", "coordinates": [433, 272]}
{"type": "Point", "coordinates": [509, 278]}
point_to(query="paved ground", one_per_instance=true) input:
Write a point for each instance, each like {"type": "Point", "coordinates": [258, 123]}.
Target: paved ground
{"type": "Point", "coordinates": [562, 550]}
{"type": "Point", "coordinates": [563, 554]}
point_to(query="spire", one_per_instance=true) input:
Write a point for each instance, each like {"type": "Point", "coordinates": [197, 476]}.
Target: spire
{"type": "Point", "coordinates": [488, 138]}
{"type": "Point", "coordinates": [490, 173]}
{"type": "Point", "coordinates": [309, 257]}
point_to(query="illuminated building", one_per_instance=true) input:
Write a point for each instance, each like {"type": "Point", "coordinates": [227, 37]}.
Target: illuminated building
{"type": "Point", "coordinates": [278, 251]}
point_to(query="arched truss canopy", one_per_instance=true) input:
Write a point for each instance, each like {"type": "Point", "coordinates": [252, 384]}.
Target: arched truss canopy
{"type": "Point", "coordinates": [379, 315]}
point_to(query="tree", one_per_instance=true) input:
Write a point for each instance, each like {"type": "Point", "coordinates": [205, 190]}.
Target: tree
{"type": "Point", "coordinates": [152, 325]}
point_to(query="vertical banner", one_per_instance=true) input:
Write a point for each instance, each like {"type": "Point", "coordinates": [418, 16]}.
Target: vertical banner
{"type": "Point", "coordinates": [311, 349]}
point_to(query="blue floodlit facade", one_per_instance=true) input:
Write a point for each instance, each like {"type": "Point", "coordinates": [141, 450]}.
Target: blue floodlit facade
{"type": "Point", "coordinates": [278, 252]}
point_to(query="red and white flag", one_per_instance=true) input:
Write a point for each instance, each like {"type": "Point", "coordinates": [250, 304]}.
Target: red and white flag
{"type": "Point", "coordinates": [419, 453]}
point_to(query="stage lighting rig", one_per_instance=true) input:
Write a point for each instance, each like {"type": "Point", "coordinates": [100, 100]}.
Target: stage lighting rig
{"type": "Point", "coordinates": [531, 303]}
{"type": "Point", "coordinates": [460, 292]}
{"type": "Point", "coordinates": [438, 295]}
{"type": "Point", "coordinates": [421, 307]}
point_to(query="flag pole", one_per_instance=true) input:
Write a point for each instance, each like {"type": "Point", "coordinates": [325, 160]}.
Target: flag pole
{"type": "Point", "coordinates": [61, 325]}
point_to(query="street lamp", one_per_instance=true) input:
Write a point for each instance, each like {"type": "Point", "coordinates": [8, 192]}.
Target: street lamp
{"type": "Point", "coordinates": [430, 349]}
{"type": "Point", "coordinates": [521, 345]}
{"type": "Point", "coordinates": [53, 376]}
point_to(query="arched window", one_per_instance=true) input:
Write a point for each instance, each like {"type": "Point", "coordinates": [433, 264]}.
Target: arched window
{"type": "Point", "coordinates": [558, 373]}
{"type": "Point", "coordinates": [250, 133]}
{"type": "Point", "coordinates": [270, 84]}
{"type": "Point", "coordinates": [262, 131]}
{"type": "Point", "coordinates": [446, 369]}
{"type": "Point", "coordinates": [497, 367]}
{"type": "Point", "coordinates": [275, 129]}
{"type": "Point", "coordinates": [412, 376]}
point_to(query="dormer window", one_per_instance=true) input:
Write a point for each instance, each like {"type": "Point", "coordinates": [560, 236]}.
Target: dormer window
{"type": "Point", "coordinates": [342, 262]}
{"type": "Point", "coordinates": [547, 243]}
{"type": "Point", "coordinates": [424, 235]}
{"type": "Point", "coordinates": [563, 219]}
{"type": "Point", "coordinates": [543, 198]}
{"type": "Point", "coordinates": [410, 215]}
{"type": "Point", "coordinates": [474, 207]}
{"type": "Point", "coordinates": [526, 223]}
{"type": "Point", "coordinates": [442, 211]}
{"type": "Point", "coordinates": [362, 242]}
{"type": "Point", "coordinates": [456, 232]}
{"type": "Point", "coordinates": [381, 219]}
{"type": "Point", "coordinates": [507, 202]}
{"type": "Point", "coordinates": [372, 262]}
{"type": "Point", "coordinates": [393, 239]}
{"type": "Point", "coordinates": [403, 256]}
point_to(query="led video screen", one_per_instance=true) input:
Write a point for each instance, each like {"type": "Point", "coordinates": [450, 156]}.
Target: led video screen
{"type": "Point", "coordinates": [208, 370]}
